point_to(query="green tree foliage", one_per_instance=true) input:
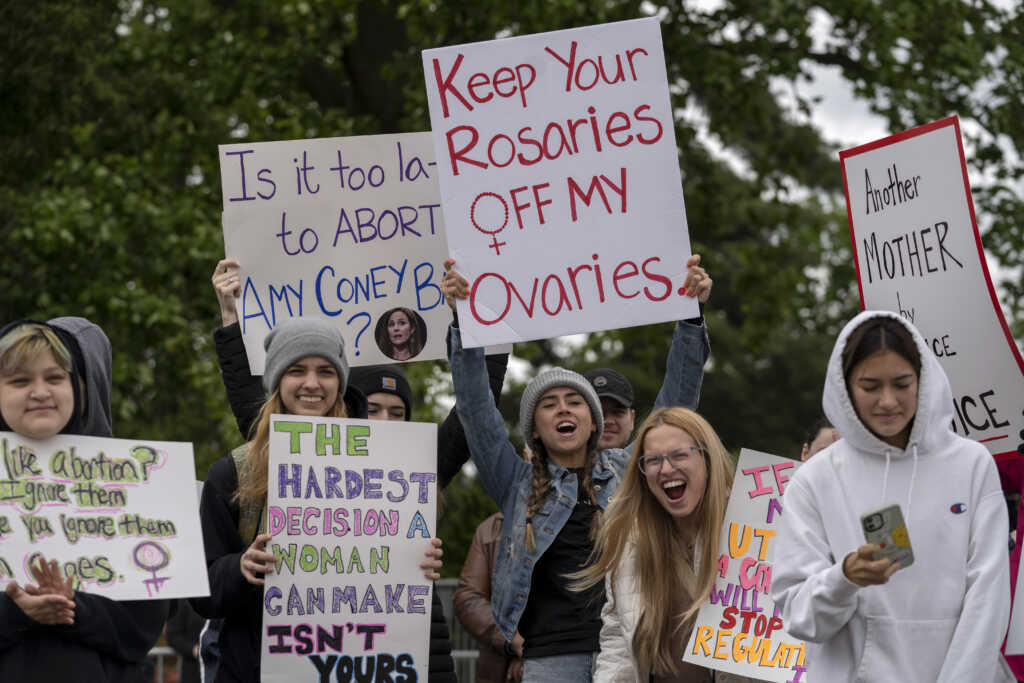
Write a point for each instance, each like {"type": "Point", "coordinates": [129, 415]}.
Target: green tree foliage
{"type": "Point", "coordinates": [111, 113]}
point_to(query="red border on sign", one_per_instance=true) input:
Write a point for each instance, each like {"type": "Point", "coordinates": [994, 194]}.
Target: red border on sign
{"type": "Point", "coordinates": [953, 121]}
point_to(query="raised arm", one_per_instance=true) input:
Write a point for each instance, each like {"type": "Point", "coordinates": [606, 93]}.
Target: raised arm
{"type": "Point", "coordinates": [452, 447]}
{"type": "Point", "coordinates": [493, 454]}
{"type": "Point", "coordinates": [245, 391]}
{"type": "Point", "coordinates": [684, 365]}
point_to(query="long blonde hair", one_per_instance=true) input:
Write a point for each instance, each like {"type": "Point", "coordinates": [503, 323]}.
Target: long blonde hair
{"type": "Point", "coordinates": [637, 524]}
{"type": "Point", "coordinates": [252, 484]}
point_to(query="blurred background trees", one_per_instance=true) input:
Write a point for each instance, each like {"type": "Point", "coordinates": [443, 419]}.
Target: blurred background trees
{"type": "Point", "coordinates": [111, 113]}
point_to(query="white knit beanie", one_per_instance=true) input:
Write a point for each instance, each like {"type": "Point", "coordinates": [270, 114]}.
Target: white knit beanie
{"type": "Point", "coordinates": [297, 338]}
{"type": "Point", "coordinates": [559, 377]}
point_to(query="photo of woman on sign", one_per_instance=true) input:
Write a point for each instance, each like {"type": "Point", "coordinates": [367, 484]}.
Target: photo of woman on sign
{"type": "Point", "coordinates": [401, 333]}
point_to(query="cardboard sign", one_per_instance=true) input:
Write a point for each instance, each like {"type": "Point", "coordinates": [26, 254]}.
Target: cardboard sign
{"type": "Point", "coordinates": [351, 505]}
{"type": "Point", "coordinates": [740, 630]}
{"type": "Point", "coordinates": [918, 252]}
{"type": "Point", "coordinates": [119, 515]}
{"type": "Point", "coordinates": [347, 229]}
{"type": "Point", "coordinates": [560, 181]}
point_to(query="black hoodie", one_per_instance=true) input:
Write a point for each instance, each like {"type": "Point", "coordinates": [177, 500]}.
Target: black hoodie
{"type": "Point", "coordinates": [109, 640]}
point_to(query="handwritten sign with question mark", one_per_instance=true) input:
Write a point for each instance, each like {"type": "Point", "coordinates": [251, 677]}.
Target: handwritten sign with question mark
{"type": "Point", "coordinates": [346, 229]}
{"type": "Point", "coordinates": [120, 516]}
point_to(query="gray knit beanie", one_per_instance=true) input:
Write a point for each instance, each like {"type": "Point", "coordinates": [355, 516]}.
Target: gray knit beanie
{"type": "Point", "coordinates": [297, 338]}
{"type": "Point", "coordinates": [559, 377]}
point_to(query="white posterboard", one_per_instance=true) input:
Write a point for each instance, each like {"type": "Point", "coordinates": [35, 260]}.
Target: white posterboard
{"type": "Point", "coordinates": [346, 229]}
{"type": "Point", "coordinates": [560, 181]}
{"type": "Point", "coordinates": [119, 515]}
{"type": "Point", "coordinates": [351, 505]}
{"type": "Point", "coordinates": [740, 630]}
{"type": "Point", "coordinates": [918, 252]}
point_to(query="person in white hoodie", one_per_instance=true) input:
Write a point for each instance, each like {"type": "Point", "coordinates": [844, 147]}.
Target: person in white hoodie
{"type": "Point", "coordinates": [942, 618]}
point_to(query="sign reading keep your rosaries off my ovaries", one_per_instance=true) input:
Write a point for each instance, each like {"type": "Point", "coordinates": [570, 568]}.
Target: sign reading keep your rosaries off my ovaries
{"type": "Point", "coordinates": [560, 181]}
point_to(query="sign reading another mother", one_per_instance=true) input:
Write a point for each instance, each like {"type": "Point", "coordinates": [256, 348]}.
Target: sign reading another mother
{"type": "Point", "coordinates": [918, 252]}
{"type": "Point", "coordinates": [348, 229]}
{"type": "Point", "coordinates": [560, 181]}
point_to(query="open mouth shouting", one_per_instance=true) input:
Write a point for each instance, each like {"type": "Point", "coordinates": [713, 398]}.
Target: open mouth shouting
{"type": "Point", "coordinates": [566, 428]}
{"type": "Point", "coordinates": [674, 490]}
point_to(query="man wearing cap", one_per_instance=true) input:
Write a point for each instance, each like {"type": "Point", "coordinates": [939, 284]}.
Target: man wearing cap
{"type": "Point", "coordinates": [387, 391]}
{"type": "Point", "coordinates": [616, 394]}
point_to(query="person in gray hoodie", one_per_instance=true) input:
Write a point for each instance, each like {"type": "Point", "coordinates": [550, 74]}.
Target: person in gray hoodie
{"type": "Point", "coordinates": [106, 641]}
{"type": "Point", "coordinates": [941, 618]}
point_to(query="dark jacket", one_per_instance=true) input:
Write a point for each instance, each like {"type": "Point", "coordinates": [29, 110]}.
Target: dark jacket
{"type": "Point", "coordinates": [183, 630]}
{"type": "Point", "coordinates": [109, 640]}
{"type": "Point", "coordinates": [473, 601]}
{"type": "Point", "coordinates": [246, 395]}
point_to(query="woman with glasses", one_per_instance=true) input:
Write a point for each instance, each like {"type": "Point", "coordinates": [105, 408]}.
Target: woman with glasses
{"type": "Point", "coordinates": [553, 505]}
{"type": "Point", "coordinates": [657, 549]}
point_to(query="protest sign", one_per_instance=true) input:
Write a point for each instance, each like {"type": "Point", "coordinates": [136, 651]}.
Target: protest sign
{"type": "Point", "coordinates": [918, 252]}
{"type": "Point", "coordinates": [740, 630]}
{"type": "Point", "coordinates": [560, 181]}
{"type": "Point", "coordinates": [119, 515]}
{"type": "Point", "coordinates": [351, 506]}
{"type": "Point", "coordinates": [347, 229]}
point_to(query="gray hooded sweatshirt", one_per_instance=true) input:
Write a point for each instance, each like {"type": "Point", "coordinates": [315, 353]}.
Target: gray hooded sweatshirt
{"type": "Point", "coordinates": [109, 640]}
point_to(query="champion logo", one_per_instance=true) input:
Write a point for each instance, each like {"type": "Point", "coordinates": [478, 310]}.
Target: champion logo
{"type": "Point", "coordinates": [958, 508]}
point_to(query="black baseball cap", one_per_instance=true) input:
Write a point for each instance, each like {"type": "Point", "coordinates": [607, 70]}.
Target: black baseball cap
{"type": "Point", "coordinates": [608, 382]}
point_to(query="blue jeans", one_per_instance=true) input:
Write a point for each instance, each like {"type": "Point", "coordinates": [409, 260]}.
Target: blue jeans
{"type": "Point", "coordinates": [578, 668]}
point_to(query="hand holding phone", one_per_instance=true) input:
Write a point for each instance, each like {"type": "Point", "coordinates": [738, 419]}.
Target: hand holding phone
{"type": "Point", "coordinates": [887, 529]}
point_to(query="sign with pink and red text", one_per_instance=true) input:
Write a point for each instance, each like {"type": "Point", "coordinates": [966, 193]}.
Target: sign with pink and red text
{"type": "Point", "coordinates": [739, 630]}
{"type": "Point", "coordinates": [560, 181]}
{"type": "Point", "coordinates": [351, 505]}
{"type": "Point", "coordinates": [918, 252]}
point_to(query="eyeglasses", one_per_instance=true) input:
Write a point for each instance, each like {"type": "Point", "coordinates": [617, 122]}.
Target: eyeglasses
{"type": "Point", "coordinates": [650, 463]}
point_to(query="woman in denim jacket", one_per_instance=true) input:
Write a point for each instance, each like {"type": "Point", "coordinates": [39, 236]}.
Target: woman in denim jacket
{"type": "Point", "coordinates": [553, 504]}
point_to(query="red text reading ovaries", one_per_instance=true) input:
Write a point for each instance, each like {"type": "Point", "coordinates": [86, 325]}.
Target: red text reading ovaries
{"type": "Point", "coordinates": [553, 293]}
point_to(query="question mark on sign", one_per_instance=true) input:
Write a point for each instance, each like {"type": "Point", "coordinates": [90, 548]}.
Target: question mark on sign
{"type": "Point", "coordinates": [147, 457]}
{"type": "Point", "coordinates": [363, 329]}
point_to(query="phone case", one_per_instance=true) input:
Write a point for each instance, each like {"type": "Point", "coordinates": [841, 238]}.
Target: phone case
{"type": "Point", "coordinates": [885, 527]}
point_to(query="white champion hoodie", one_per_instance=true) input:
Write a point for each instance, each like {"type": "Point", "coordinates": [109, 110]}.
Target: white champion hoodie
{"type": "Point", "coordinates": [944, 617]}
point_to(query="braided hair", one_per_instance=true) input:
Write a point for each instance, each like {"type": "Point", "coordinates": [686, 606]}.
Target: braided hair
{"type": "Point", "coordinates": [540, 485]}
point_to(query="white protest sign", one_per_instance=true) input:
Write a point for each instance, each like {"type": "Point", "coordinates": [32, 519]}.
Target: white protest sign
{"type": "Point", "coordinates": [347, 229]}
{"type": "Point", "coordinates": [918, 252]}
{"type": "Point", "coordinates": [740, 630]}
{"type": "Point", "coordinates": [119, 515]}
{"type": "Point", "coordinates": [560, 181]}
{"type": "Point", "coordinates": [351, 505]}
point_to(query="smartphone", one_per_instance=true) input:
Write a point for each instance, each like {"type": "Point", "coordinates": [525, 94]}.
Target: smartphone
{"type": "Point", "coordinates": [886, 528]}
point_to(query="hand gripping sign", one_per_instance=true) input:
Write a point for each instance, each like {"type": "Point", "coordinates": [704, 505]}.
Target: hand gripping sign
{"type": "Point", "coordinates": [560, 181]}
{"type": "Point", "coordinates": [348, 229]}
{"type": "Point", "coordinates": [918, 252]}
